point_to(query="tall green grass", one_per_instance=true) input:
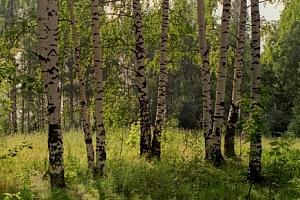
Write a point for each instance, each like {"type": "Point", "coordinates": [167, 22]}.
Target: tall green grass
{"type": "Point", "coordinates": [181, 174]}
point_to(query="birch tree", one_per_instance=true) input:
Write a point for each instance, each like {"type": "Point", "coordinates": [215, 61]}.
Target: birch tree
{"type": "Point", "coordinates": [161, 98]}
{"type": "Point", "coordinates": [216, 154]}
{"type": "Point", "coordinates": [206, 88]}
{"type": "Point", "coordinates": [254, 173]}
{"type": "Point", "coordinates": [83, 102]}
{"type": "Point", "coordinates": [100, 135]}
{"type": "Point", "coordinates": [145, 140]}
{"type": "Point", "coordinates": [55, 141]}
{"type": "Point", "coordinates": [237, 84]}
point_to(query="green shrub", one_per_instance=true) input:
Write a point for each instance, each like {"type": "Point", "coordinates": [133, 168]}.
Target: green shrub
{"type": "Point", "coordinates": [294, 126]}
{"type": "Point", "coordinates": [283, 164]}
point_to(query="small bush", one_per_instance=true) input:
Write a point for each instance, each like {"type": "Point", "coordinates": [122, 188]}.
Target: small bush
{"type": "Point", "coordinates": [283, 164]}
{"type": "Point", "coordinates": [294, 126]}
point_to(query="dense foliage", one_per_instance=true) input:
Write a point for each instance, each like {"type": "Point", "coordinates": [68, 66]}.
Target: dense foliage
{"type": "Point", "coordinates": [281, 65]}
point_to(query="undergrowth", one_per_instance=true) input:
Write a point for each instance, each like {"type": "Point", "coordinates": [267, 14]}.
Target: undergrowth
{"type": "Point", "coordinates": [181, 174]}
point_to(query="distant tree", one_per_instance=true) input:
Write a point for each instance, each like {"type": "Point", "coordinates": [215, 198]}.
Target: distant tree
{"type": "Point", "coordinates": [70, 75]}
{"type": "Point", "coordinates": [13, 99]}
{"type": "Point", "coordinates": [280, 71]}
{"type": "Point", "coordinates": [9, 24]}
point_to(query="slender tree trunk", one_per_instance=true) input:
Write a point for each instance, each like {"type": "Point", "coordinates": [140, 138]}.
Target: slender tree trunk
{"type": "Point", "coordinates": [145, 141]}
{"type": "Point", "coordinates": [23, 112]}
{"type": "Point", "coordinates": [62, 110]}
{"type": "Point", "coordinates": [206, 89]}
{"type": "Point", "coordinates": [13, 99]}
{"type": "Point", "coordinates": [55, 140]}
{"type": "Point", "coordinates": [161, 98]}
{"type": "Point", "coordinates": [38, 113]}
{"type": "Point", "coordinates": [71, 97]}
{"type": "Point", "coordinates": [8, 24]}
{"type": "Point", "coordinates": [237, 84]}
{"type": "Point", "coordinates": [8, 130]}
{"type": "Point", "coordinates": [216, 154]}
{"type": "Point", "coordinates": [43, 50]}
{"type": "Point", "coordinates": [23, 99]}
{"type": "Point", "coordinates": [254, 173]}
{"type": "Point", "coordinates": [100, 136]}
{"type": "Point", "coordinates": [42, 109]}
{"type": "Point", "coordinates": [28, 115]}
{"type": "Point", "coordinates": [83, 102]}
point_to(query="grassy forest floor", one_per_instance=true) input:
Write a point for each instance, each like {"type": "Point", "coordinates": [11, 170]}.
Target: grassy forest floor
{"type": "Point", "coordinates": [181, 174]}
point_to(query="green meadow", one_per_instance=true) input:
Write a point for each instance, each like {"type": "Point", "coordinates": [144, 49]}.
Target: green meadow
{"type": "Point", "coordinates": [181, 174]}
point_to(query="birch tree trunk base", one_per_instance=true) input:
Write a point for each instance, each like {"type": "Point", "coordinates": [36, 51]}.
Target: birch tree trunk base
{"type": "Point", "coordinates": [99, 171]}
{"type": "Point", "coordinates": [229, 151]}
{"type": "Point", "coordinates": [101, 156]}
{"type": "Point", "coordinates": [217, 158]}
{"type": "Point", "coordinates": [208, 143]}
{"type": "Point", "coordinates": [254, 172]}
{"type": "Point", "coordinates": [215, 153]}
{"type": "Point", "coordinates": [156, 146]}
{"type": "Point", "coordinates": [145, 142]}
{"type": "Point", "coordinates": [57, 180]}
{"type": "Point", "coordinates": [254, 176]}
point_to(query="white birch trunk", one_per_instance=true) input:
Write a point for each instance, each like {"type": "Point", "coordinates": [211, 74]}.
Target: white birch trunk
{"type": "Point", "coordinates": [206, 88]}
{"type": "Point", "coordinates": [83, 102]}
{"type": "Point", "coordinates": [161, 97]}
{"type": "Point", "coordinates": [55, 140]}
{"type": "Point", "coordinates": [255, 143]}
{"type": "Point", "coordinates": [100, 135]}
{"type": "Point", "coordinates": [237, 84]}
{"type": "Point", "coordinates": [145, 141]}
{"type": "Point", "coordinates": [216, 154]}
